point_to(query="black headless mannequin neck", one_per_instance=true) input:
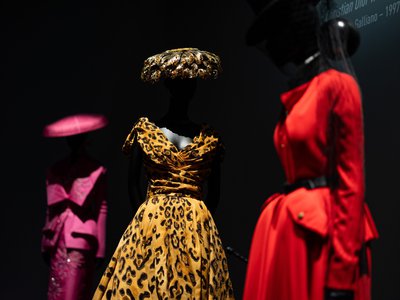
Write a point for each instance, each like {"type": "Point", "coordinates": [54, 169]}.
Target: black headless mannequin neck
{"type": "Point", "coordinates": [176, 119]}
{"type": "Point", "coordinates": [307, 71]}
{"type": "Point", "coordinates": [338, 40]}
{"type": "Point", "coordinates": [292, 40]}
{"type": "Point", "coordinates": [77, 145]}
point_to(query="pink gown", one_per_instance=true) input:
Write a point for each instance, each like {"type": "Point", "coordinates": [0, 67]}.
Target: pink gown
{"type": "Point", "coordinates": [74, 232]}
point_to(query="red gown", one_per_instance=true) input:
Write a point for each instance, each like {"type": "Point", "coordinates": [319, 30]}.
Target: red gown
{"type": "Point", "coordinates": [311, 239]}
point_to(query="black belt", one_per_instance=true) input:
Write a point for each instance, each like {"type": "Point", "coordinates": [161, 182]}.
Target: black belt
{"type": "Point", "coordinates": [309, 184]}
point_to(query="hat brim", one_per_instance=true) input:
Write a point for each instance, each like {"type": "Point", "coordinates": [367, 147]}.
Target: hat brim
{"type": "Point", "coordinates": [181, 63]}
{"type": "Point", "coordinates": [76, 124]}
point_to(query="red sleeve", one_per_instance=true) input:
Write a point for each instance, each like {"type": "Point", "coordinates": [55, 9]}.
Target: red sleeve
{"type": "Point", "coordinates": [348, 191]}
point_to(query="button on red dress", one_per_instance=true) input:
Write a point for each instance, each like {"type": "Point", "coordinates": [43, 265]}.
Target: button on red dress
{"type": "Point", "coordinates": [311, 239]}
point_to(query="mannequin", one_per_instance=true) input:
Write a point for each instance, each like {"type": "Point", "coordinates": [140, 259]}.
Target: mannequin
{"type": "Point", "coordinates": [288, 32]}
{"type": "Point", "coordinates": [176, 119]}
{"type": "Point", "coordinates": [77, 145]}
{"type": "Point", "coordinates": [180, 130]}
{"type": "Point", "coordinates": [172, 244]}
{"type": "Point", "coordinates": [291, 42]}
{"type": "Point", "coordinates": [73, 240]}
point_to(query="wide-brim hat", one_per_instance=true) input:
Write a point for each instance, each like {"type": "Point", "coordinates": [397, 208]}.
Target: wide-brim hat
{"type": "Point", "coordinates": [75, 124]}
{"type": "Point", "coordinates": [268, 16]}
{"type": "Point", "coordinates": [181, 63]}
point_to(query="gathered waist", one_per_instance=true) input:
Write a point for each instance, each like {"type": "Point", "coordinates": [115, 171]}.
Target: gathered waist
{"type": "Point", "coordinates": [174, 193]}
{"type": "Point", "coordinates": [166, 187]}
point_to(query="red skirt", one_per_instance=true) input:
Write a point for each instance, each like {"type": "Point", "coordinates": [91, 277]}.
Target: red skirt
{"type": "Point", "coordinates": [289, 257]}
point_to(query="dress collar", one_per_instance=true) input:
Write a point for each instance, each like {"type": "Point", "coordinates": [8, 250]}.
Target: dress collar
{"type": "Point", "coordinates": [291, 97]}
{"type": "Point", "coordinates": [312, 68]}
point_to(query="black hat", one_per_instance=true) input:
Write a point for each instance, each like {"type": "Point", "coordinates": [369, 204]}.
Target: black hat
{"type": "Point", "coordinates": [271, 12]}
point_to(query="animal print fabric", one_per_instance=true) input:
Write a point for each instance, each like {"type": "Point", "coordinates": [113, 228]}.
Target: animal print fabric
{"type": "Point", "coordinates": [171, 249]}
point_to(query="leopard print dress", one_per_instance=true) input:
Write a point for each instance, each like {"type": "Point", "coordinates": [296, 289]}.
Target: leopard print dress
{"type": "Point", "coordinates": [171, 249]}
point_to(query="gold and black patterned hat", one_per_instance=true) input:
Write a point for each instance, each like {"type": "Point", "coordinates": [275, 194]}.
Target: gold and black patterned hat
{"type": "Point", "coordinates": [181, 63]}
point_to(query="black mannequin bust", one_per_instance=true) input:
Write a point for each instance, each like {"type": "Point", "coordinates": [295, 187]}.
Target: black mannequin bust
{"type": "Point", "coordinates": [309, 48]}
{"type": "Point", "coordinates": [175, 124]}
{"type": "Point", "coordinates": [77, 145]}
{"type": "Point", "coordinates": [291, 42]}
{"type": "Point", "coordinates": [179, 130]}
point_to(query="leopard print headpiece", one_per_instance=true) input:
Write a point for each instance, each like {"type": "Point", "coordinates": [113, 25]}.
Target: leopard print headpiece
{"type": "Point", "coordinates": [181, 63]}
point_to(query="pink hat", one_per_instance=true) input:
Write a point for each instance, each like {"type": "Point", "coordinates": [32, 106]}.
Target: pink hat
{"type": "Point", "coordinates": [75, 124]}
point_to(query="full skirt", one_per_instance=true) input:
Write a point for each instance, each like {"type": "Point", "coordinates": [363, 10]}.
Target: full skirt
{"type": "Point", "coordinates": [288, 261]}
{"type": "Point", "coordinates": [170, 250]}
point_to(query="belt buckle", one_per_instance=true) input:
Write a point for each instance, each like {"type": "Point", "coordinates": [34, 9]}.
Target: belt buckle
{"type": "Point", "coordinates": [310, 184]}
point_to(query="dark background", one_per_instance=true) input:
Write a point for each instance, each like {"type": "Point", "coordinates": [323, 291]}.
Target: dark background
{"type": "Point", "coordinates": [64, 57]}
